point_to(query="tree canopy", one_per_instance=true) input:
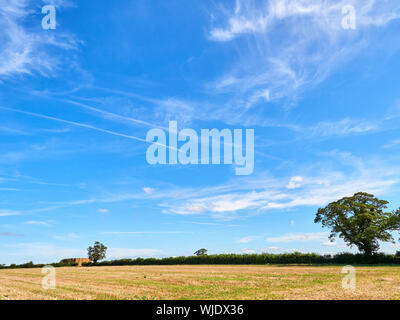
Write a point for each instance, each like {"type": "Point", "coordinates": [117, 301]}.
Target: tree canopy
{"type": "Point", "coordinates": [360, 220]}
{"type": "Point", "coordinates": [201, 252]}
{"type": "Point", "coordinates": [97, 252]}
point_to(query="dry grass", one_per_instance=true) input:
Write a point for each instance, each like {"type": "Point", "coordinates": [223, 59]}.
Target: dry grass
{"type": "Point", "coordinates": [202, 282]}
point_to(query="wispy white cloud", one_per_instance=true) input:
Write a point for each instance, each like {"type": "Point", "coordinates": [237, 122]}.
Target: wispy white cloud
{"type": "Point", "coordinates": [240, 197]}
{"type": "Point", "coordinates": [142, 232]}
{"type": "Point", "coordinates": [13, 131]}
{"type": "Point", "coordinates": [38, 251]}
{"type": "Point", "coordinates": [114, 116]}
{"type": "Point", "coordinates": [248, 239]}
{"type": "Point", "coordinates": [38, 223]}
{"type": "Point", "coordinates": [24, 50]}
{"type": "Point", "coordinates": [275, 249]}
{"type": "Point", "coordinates": [394, 111]}
{"type": "Point", "coordinates": [11, 234]}
{"type": "Point", "coordinates": [318, 187]}
{"type": "Point", "coordinates": [290, 46]}
{"type": "Point", "coordinates": [148, 190]}
{"type": "Point", "coordinates": [343, 127]}
{"type": "Point", "coordinates": [271, 249]}
{"type": "Point", "coordinates": [164, 109]}
{"type": "Point", "coordinates": [75, 123]}
{"type": "Point", "coordinates": [247, 251]}
{"type": "Point", "coordinates": [392, 144]}
{"type": "Point", "coordinates": [119, 253]}
{"type": "Point", "coordinates": [295, 182]}
{"type": "Point", "coordinates": [329, 244]}
{"type": "Point", "coordinates": [67, 237]}
{"type": "Point", "coordinates": [5, 213]}
{"type": "Point", "coordinates": [299, 237]}
{"type": "Point", "coordinates": [249, 17]}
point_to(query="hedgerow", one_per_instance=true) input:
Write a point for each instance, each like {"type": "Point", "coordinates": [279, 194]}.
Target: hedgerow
{"type": "Point", "coordinates": [258, 259]}
{"type": "Point", "coordinates": [32, 265]}
{"type": "Point", "coordinates": [239, 259]}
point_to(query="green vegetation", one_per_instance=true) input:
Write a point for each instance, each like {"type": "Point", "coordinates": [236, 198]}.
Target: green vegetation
{"type": "Point", "coordinates": [360, 220]}
{"type": "Point", "coordinates": [240, 259]}
{"type": "Point", "coordinates": [97, 252]}
{"type": "Point", "coordinates": [32, 265]}
{"type": "Point", "coordinates": [201, 252]}
{"type": "Point", "coordinates": [260, 259]}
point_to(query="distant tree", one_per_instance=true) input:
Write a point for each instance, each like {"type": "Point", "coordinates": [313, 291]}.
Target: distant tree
{"type": "Point", "coordinates": [201, 252]}
{"type": "Point", "coordinates": [360, 220]}
{"type": "Point", "coordinates": [97, 252]}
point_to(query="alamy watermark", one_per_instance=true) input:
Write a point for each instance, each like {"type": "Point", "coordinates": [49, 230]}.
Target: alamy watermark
{"type": "Point", "coordinates": [49, 280]}
{"type": "Point", "coordinates": [49, 21]}
{"type": "Point", "coordinates": [349, 281]}
{"type": "Point", "coordinates": [196, 148]}
{"type": "Point", "coordinates": [349, 21]}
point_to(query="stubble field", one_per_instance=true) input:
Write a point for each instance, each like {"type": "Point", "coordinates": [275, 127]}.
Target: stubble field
{"type": "Point", "coordinates": [202, 282]}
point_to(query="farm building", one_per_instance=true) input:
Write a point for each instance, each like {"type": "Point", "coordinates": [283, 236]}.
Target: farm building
{"type": "Point", "coordinates": [79, 261]}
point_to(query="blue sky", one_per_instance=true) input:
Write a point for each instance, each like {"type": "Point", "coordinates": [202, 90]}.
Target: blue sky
{"type": "Point", "coordinates": [75, 102]}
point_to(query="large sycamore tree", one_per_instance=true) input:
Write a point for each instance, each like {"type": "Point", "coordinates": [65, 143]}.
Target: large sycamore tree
{"type": "Point", "coordinates": [360, 220]}
{"type": "Point", "coordinates": [97, 252]}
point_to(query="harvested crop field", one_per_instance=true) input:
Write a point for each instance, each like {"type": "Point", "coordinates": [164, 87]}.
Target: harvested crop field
{"type": "Point", "coordinates": [202, 282]}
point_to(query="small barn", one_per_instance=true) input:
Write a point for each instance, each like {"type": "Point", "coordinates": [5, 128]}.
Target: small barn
{"type": "Point", "coordinates": [79, 261]}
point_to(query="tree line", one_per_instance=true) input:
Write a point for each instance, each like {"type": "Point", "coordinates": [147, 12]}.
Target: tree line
{"type": "Point", "coordinates": [241, 259]}
{"type": "Point", "coordinates": [361, 220]}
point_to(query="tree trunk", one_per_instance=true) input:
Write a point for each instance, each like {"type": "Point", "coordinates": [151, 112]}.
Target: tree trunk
{"type": "Point", "coordinates": [367, 251]}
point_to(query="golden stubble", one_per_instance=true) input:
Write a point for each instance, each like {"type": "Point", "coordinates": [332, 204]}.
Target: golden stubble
{"type": "Point", "coordinates": [202, 282]}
